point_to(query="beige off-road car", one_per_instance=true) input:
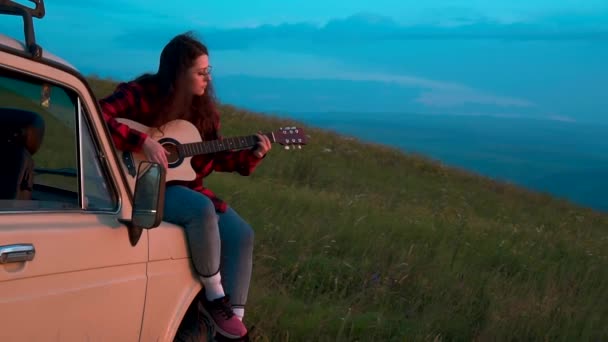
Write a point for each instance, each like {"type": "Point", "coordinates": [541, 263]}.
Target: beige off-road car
{"type": "Point", "coordinates": [79, 258]}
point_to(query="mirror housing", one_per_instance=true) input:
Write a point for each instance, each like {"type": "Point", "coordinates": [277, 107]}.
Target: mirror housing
{"type": "Point", "coordinates": [148, 200]}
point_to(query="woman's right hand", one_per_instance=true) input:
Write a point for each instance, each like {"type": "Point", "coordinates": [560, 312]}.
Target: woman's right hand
{"type": "Point", "coordinates": [155, 152]}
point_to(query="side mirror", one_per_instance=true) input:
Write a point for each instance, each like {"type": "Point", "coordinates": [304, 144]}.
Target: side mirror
{"type": "Point", "coordinates": [149, 196]}
{"type": "Point", "coordinates": [148, 199]}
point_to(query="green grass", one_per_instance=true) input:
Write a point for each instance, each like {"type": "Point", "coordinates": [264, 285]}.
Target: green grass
{"type": "Point", "coordinates": [361, 242]}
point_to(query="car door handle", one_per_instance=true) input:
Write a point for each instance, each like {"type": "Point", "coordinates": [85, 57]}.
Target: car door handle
{"type": "Point", "coordinates": [17, 253]}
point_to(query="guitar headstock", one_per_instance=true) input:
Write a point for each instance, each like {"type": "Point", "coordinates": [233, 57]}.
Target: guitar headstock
{"type": "Point", "coordinates": [290, 136]}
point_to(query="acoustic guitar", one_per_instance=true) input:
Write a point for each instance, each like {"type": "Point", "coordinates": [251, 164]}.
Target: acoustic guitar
{"type": "Point", "coordinates": [183, 141]}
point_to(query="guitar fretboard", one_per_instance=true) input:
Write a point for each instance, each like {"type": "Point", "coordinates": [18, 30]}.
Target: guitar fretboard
{"type": "Point", "coordinates": [225, 144]}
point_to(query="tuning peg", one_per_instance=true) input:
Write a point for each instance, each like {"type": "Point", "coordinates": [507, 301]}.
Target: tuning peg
{"type": "Point", "coordinates": [287, 147]}
{"type": "Point", "coordinates": [299, 147]}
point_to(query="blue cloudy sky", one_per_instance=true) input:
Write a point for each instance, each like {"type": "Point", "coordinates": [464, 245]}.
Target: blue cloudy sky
{"type": "Point", "coordinates": [514, 58]}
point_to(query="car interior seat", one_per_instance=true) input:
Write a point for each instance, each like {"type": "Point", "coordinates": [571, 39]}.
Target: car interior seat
{"type": "Point", "coordinates": [21, 135]}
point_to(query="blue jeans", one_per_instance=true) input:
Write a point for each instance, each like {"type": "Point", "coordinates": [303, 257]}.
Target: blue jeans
{"type": "Point", "coordinates": [219, 242]}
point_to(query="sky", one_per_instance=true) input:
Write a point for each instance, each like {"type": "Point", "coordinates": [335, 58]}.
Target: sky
{"type": "Point", "coordinates": [502, 58]}
{"type": "Point", "coordinates": [247, 13]}
{"type": "Point", "coordinates": [224, 14]}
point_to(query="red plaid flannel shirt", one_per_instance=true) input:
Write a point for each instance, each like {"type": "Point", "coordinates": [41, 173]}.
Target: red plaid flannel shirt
{"type": "Point", "coordinates": [129, 101]}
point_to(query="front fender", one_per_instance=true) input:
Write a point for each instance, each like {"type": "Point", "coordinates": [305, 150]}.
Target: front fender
{"type": "Point", "coordinates": [172, 286]}
{"type": "Point", "coordinates": [172, 283]}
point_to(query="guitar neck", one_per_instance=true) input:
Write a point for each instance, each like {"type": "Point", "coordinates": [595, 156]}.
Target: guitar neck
{"type": "Point", "coordinates": [219, 145]}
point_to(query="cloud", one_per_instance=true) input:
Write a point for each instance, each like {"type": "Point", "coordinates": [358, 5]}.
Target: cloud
{"type": "Point", "coordinates": [318, 97]}
{"type": "Point", "coordinates": [370, 27]}
{"type": "Point", "coordinates": [430, 92]}
{"type": "Point", "coordinates": [562, 118]}
{"type": "Point", "coordinates": [502, 115]}
{"type": "Point", "coordinates": [437, 93]}
{"type": "Point", "coordinates": [464, 95]}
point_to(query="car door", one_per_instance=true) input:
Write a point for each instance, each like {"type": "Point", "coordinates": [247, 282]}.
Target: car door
{"type": "Point", "coordinates": [67, 269]}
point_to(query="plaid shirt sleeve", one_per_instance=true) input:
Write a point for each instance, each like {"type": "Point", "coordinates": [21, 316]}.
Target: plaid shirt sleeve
{"type": "Point", "coordinates": [243, 161]}
{"type": "Point", "coordinates": [123, 102]}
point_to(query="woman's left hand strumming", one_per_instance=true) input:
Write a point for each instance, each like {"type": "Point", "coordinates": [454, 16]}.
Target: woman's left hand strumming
{"type": "Point", "coordinates": [264, 145]}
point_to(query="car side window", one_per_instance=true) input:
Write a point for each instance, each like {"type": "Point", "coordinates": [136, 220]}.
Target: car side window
{"type": "Point", "coordinates": [41, 129]}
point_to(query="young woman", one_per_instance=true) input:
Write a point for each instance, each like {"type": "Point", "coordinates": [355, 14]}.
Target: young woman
{"type": "Point", "coordinates": [221, 242]}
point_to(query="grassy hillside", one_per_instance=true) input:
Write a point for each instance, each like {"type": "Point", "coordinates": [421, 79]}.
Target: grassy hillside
{"type": "Point", "coordinates": [356, 242]}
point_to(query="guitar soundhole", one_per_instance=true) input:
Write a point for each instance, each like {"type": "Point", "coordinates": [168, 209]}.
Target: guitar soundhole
{"type": "Point", "coordinates": [173, 156]}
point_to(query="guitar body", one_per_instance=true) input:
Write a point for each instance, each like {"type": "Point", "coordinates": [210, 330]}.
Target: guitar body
{"type": "Point", "coordinates": [171, 135]}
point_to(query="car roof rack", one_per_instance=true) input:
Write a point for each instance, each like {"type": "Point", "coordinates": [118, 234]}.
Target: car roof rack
{"type": "Point", "coordinates": [11, 7]}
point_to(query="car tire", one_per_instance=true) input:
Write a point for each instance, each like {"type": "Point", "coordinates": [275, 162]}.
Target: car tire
{"type": "Point", "coordinates": [195, 327]}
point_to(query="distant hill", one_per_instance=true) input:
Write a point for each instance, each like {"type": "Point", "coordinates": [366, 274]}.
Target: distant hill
{"type": "Point", "coordinates": [362, 242]}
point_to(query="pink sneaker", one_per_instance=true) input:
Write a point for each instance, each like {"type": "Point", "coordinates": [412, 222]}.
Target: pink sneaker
{"type": "Point", "coordinates": [219, 311]}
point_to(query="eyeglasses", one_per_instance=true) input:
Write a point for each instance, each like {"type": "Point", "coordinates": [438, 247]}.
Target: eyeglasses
{"type": "Point", "coordinates": [207, 71]}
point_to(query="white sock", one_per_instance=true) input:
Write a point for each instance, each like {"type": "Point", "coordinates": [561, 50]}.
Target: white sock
{"type": "Point", "coordinates": [213, 287]}
{"type": "Point", "coordinates": [239, 312]}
